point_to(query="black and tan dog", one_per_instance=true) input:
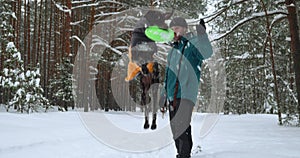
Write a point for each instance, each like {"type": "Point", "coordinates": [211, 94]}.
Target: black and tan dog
{"type": "Point", "coordinates": [141, 62]}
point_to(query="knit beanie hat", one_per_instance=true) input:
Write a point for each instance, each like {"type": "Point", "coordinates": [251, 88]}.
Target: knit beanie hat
{"type": "Point", "coordinates": [178, 21]}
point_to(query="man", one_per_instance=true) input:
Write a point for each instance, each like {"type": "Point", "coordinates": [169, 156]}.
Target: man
{"type": "Point", "coordinates": [182, 80]}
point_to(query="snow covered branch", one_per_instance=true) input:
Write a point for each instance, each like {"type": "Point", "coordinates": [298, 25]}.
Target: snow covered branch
{"type": "Point", "coordinates": [97, 40]}
{"type": "Point", "coordinates": [62, 8]}
{"type": "Point", "coordinates": [86, 5]}
{"type": "Point", "coordinates": [79, 2]}
{"type": "Point", "coordinates": [291, 91]}
{"type": "Point", "coordinates": [223, 9]}
{"type": "Point", "coordinates": [247, 19]}
{"type": "Point", "coordinates": [277, 19]}
{"type": "Point", "coordinates": [79, 40]}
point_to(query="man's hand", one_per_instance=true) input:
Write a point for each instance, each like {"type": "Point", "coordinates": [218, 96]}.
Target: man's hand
{"type": "Point", "coordinates": [201, 28]}
{"type": "Point", "coordinates": [163, 103]}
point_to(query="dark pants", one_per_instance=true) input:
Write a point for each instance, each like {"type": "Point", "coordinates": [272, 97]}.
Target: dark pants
{"type": "Point", "coordinates": [180, 120]}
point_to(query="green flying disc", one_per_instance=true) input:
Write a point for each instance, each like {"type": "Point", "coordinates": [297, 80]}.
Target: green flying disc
{"type": "Point", "coordinates": [159, 35]}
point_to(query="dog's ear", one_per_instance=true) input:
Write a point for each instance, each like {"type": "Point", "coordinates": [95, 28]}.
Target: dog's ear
{"type": "Point", "coordinates": [150, 15]}
{"type": "Point", "coordinates": [154, 17]}
{"type": "Point", "coordinates": [168, 15]}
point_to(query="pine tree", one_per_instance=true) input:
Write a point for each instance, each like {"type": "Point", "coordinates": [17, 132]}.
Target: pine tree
{"type": "Point", "coordinates": [12, 76]}
{"type": "Point", "coordinates": [29, 94]}
{"type": "Point", "coordinates": [247, 52]}
{"type": "Point", "coordinates": [61, 85]}
{"type": "Point", "coordinates": [23, 87]}
{"type": "Point", "coordinates": [11, 73]}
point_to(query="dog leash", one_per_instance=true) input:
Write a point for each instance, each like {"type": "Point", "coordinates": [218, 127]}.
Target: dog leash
{"type": "Point", "coordinates": [177, 81]}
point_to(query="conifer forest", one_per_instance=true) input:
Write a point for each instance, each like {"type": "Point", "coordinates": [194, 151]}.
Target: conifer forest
{"type": "Point", "coordinates": [51, 56]}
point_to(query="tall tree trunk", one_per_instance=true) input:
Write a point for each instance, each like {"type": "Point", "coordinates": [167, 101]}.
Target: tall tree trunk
{"type": "Point", "coordinates": [89, 62]}
{"type": "Point", "coordinates": [86, 76]}
{"type": "Point", "coordinates": [39, 34]}
{"type": "Point", "coordinates": [18, 28]}
{"type": "Point", "coordinates": [269, 30]}
{"type": "Point", "coordinates": [68, 28]}
{"type": "Point", "coordinates": [295, 44]}
{"type": "Point", "coordinates": [44, 54]}
{"type": "Point", "coordinates": [13, 21]}
{"type": "Point", "coordinates": [50, 65]}
{"type": "Point", "coordinates": [34, 39]}
{"type": "Point", "coordinates": [56, 36]}
{"type": "Point", "coordinates": [62, 34]}
{"type": "Point", "coordinates": [28, 35]}
{"type": "Point", "coordinates": [25, 35]}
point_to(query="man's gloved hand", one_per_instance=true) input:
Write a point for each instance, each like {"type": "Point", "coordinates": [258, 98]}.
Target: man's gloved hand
{"type": "Point", "coordinates": [201, 28]}
{"type": "Point", "coordinates": [202, 23]}
{"type": "Point", "coordinates": [163, 103]}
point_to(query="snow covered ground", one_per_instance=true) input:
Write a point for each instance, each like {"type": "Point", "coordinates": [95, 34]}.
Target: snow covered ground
{"type": "Point", "coordinates": [71, 135]}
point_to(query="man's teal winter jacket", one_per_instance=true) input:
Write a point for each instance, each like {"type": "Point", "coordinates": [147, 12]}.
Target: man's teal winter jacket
{"type": "Point", "coordinates": [184, 65]}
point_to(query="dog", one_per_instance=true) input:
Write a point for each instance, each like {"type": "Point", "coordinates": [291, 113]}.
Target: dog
{"type": "Point", "coordinates": [141, 64]}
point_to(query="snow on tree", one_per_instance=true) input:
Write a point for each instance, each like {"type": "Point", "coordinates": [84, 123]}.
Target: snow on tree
{"type": "Point", "coordinates": [23, 87]}
{"type": "Point", "coordinates": [29, 94]}
{"type": "Point", "coordinates": [61, 85]}
{"type": "Point", "coordinates": [253, 41]}
{"type": "Point", "coordinates": [13, 72]}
